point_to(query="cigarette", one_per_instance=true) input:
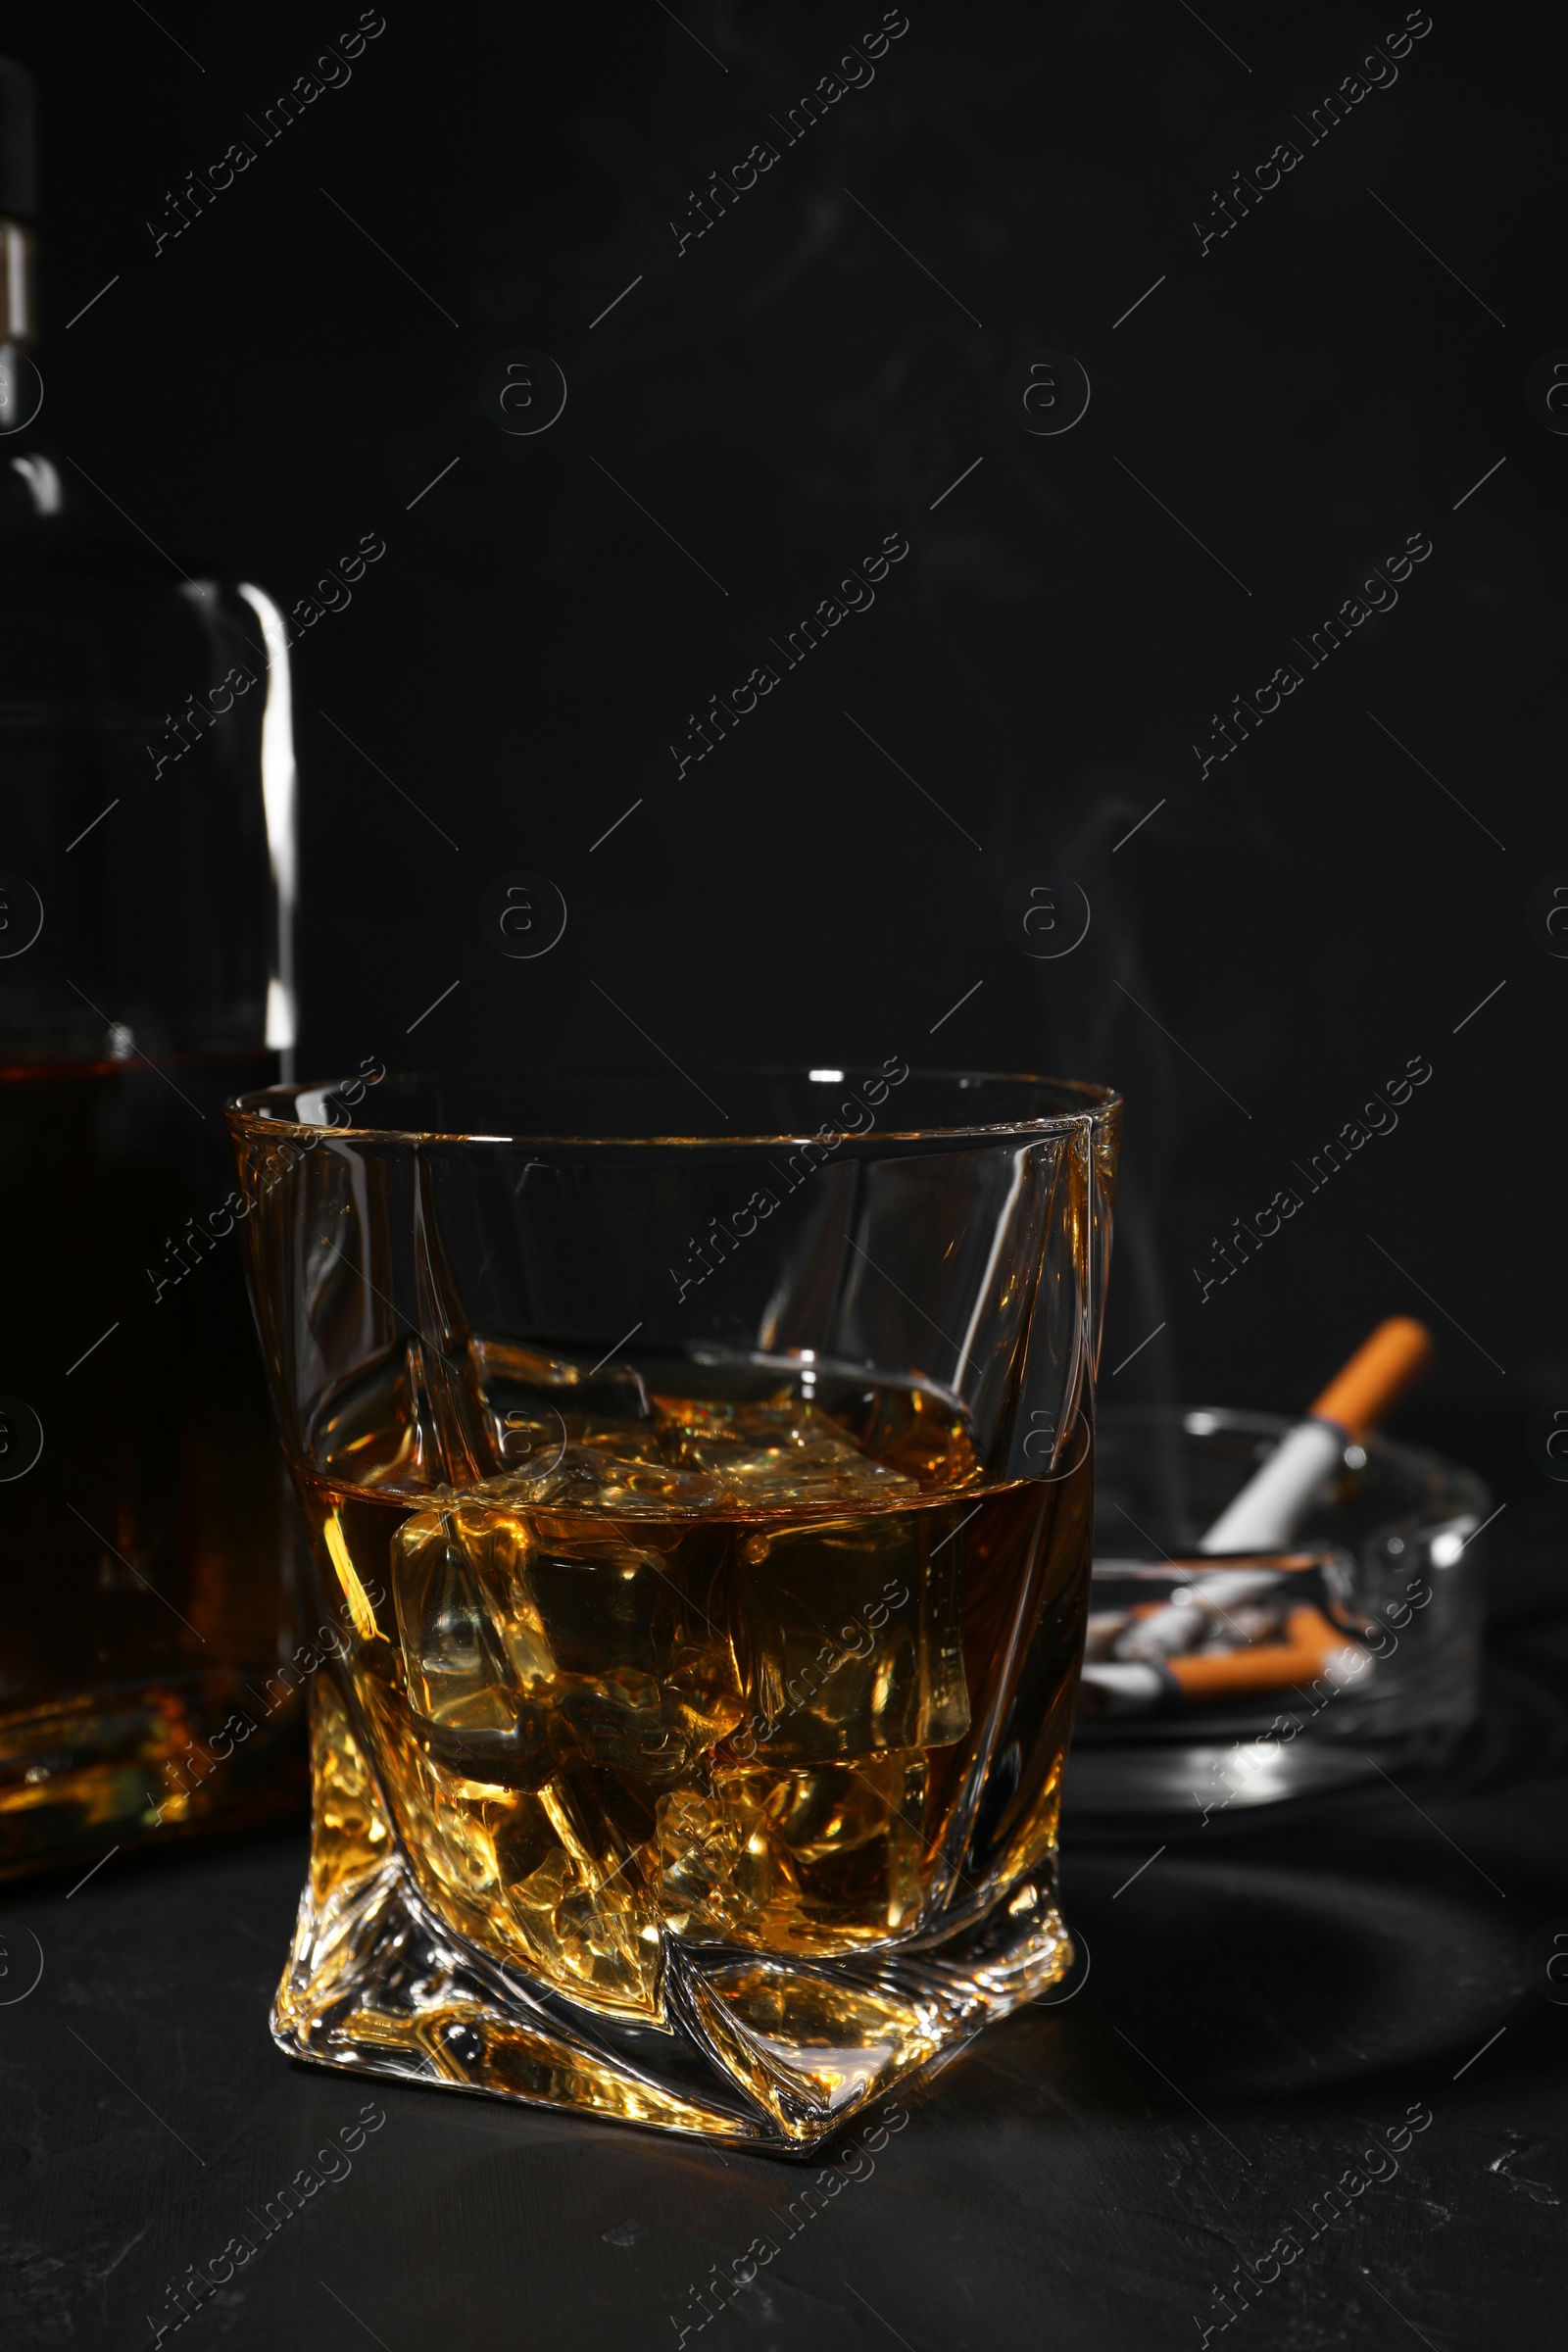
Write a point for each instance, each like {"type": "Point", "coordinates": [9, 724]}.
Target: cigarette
{"type": "Point", "coordinates": [1263, 1518]}
{"type": "Point", "coordinates": [1271, 1506]}
{"type": "Point", "coordinates": [1312, 1647]}
{"type": "Point", "coordinates": [1199, 1609]}
{"type": "Point", "coordinates": [1146, 1666]}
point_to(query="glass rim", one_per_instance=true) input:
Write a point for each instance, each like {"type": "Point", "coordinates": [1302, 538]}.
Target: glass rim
{"type": "Point", "coordinates": [251, 1113]}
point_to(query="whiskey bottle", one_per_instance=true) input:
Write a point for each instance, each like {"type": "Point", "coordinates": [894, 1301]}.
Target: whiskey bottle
{"type": "Point", "coordinates": [147, 873]}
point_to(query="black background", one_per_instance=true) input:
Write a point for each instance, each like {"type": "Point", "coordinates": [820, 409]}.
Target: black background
{"type": "Point", "coordinates": [1304, 396]}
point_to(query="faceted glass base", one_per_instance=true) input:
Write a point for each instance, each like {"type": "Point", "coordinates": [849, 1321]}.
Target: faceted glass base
{"type": "Point", "coordinates": [776, 2052]}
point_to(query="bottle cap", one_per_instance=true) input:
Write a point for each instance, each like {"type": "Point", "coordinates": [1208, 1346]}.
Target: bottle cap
{"type": "Point", "coordinates": [19, 142]}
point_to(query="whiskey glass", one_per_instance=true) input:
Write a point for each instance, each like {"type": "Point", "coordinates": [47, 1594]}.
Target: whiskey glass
{"type": "Point", "coordinates": [698, 1476]}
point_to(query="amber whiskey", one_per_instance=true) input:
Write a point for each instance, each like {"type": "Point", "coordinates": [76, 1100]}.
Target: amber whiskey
{"type": "Point", "coordinates": [733, 1661]}
{"type": "Point", "coordinates": [146, 1556]}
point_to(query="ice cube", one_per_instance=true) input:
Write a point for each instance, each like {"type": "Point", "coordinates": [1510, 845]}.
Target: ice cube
{"type": "Point", "coordinates": [645, 1678]}
{"type": "Point", "coordinates": [534, 1638]}
{"type": "Point", "coordinates": [461, 1674]}
{"type": "Point", "coordinates": [623, 1481]}
{"type": "Point", "coordinates": [783, 1450]}
{"type": "Point", "coordinates": [582, 1909]}
{"type": "Point", "coordinates": [817, 1860]}
{"type": "Point", "coordinates": [541, 1876]}
{"type": "Point", "coordinates": [818, 1470]}
{"type": "Point", "coordinates": [848, 1636]}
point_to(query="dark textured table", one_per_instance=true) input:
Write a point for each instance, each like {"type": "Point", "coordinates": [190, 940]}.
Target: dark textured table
{"type": "Point", "coordinates": [1316, 2048]}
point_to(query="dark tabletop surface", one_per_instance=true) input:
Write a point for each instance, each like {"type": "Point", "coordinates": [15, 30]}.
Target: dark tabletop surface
{"type": "Point", "coordinates": [1266, 2012]}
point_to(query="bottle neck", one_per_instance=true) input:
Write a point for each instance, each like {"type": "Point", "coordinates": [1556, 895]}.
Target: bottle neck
{"type": "Point", "coordinates": [19, 319]}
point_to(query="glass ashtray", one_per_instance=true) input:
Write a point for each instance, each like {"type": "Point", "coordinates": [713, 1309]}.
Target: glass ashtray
{"type": "Point", "coordinates": [1288, 1674]}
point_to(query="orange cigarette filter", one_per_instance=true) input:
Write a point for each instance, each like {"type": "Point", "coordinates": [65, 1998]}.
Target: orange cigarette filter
{"type": "Point", "coordinates": [1264, 1665]}
{"type": "Point", "coordinates": [1376, 1376]}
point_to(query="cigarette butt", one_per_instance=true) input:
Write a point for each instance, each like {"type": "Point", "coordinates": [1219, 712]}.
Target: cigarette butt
{"type": "Point", "coordinates": [1155, 1629]}
{"type": "Point", "coordinates": [1358, 1396]}
{"type": "Point", "coordinates": [1314, 1646]}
